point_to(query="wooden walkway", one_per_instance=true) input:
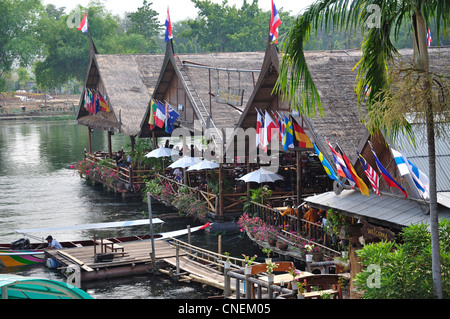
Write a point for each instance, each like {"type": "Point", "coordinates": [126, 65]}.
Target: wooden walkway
{"type": "Point", "coordinates": [135, 260]}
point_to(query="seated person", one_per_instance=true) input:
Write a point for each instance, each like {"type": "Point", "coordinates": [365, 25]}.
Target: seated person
{"type": "Point", "coordinates": [178, 174]}
{"type": "Point", "coordinates": [120, 159]}
{"type": "Point", "coordinates": [53, 243]}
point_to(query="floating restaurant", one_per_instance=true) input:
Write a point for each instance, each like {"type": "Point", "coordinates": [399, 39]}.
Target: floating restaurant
{"type": "Point", "coordinates": [215, 106]}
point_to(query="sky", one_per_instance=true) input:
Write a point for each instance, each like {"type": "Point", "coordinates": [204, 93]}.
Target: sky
{"type": "Point", "coordinates": [179, 9]}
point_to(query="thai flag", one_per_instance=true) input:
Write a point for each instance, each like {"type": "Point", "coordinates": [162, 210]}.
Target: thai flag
{"type": "Point", "coordinates": [83, 27]}
{"type": "Point", "coordinates": [428, 38]}
{"type": "Point", "coordinates": [168, 27]}
{"type": "Point", "coordinates": [274, 24]}
{"type": "Point", "coordinates": [258, 127]}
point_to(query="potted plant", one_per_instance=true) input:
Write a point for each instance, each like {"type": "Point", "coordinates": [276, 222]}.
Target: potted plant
{"type": "Point", "coordinates": [282, 245]}
{"type": "Point", "coordinates": [227, 261]}
{"type": "Point", "coordinates": [294, 273]}
{"type": "Point", "coordinates": [272, 240]}
{"type": "Point", "coordinates": [248, 262]}
{"type": "Point", "coordinates": [308, 252]}
{"type": "Point", "coordinates": [301, 287]}
{"type": "Point", "coordinates": [267, 252]}
{"type": "Point", "coordinates": [270, 266]}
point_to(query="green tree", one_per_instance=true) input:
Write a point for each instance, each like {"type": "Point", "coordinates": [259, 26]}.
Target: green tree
{"type": "Point", "coordinates": [376, 19]}
{"type": "Point", "coordinates": [18, 41]}
{"type": "Point", "coordinates": [402, 271]}
{"type": "Point", "coordinates": [66, 50]}
{"type": "Point", "coordinates": [144, 22]}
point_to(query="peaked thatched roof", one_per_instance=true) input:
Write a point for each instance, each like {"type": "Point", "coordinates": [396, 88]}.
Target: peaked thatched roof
{"type": "Point", "coordinates": [333, 76]}
{"type": "Point", "coordinates": [200, 76]}
{"type": "Point", "coordinates": [128, 82]}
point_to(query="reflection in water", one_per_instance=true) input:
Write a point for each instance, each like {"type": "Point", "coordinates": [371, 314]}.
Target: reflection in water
{"type": "Point", "coordinates": [39, 190]}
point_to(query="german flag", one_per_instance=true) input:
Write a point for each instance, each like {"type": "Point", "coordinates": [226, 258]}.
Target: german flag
{"type": "Point", "coordinates": [300, 138]}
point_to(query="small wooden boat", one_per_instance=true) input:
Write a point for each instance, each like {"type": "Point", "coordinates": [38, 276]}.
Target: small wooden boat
{"type": "Point", "coordinates": [22, 252]}
{"type": "Point", "coordinates": [19, 287]}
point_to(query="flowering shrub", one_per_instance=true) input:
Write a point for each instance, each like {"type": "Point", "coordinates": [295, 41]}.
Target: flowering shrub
{"type": "Point", "coordinates": [99, 172]}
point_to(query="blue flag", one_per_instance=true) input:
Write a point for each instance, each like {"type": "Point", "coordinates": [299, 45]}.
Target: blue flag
{"type": "Point", "coordinates": [326, 165]}
{"type": "Point", "coordinates": [171, 117]}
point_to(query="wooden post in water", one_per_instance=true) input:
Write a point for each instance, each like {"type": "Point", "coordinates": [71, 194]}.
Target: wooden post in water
{"type": "Point", "coordinates": [150, 216]}
{"type": "Point", "coordinates": [90, 140]}
{"type": "Point", "coordinates": [189, 234]}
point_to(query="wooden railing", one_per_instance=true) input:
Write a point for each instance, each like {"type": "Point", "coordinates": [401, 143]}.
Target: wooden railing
{"type": "Point", "coordinates": [125, 174]}
{"type": "Point", "coordinates": [295, 229]}
{"type": "Point", "coordinates": [250, 281]}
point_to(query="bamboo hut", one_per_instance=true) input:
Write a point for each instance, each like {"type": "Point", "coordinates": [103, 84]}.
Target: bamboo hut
{"type": "Point", "coordinates": [126, 82]}
{"type": "Point", "coordinates": [211, 88]}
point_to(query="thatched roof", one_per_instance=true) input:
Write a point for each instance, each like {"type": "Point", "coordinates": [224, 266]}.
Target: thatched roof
{"type": "Point", "coordinates": [128, 82]}
{"type": "Point", "coordinates": [200, 76]}
{"type": "Point", "coordinates": [333, 76]}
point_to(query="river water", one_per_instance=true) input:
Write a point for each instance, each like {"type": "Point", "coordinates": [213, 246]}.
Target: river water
{"type": "Point", "coordinates": [38, 189]}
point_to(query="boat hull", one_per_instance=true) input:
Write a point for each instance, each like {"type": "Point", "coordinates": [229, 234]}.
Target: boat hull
{"type": "Point", "coordinates": [13, 258]}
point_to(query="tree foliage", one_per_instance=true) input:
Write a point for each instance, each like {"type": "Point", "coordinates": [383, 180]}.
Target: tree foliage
{"type": "Point", "coordinates": [30, 32]}
{"type": "Point", "coordinates": [405, 269]}
{"type": "Point", "coordinates": [18, 43]}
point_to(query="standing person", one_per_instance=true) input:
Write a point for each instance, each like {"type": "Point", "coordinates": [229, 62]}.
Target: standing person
{"type": "Point", "coordinates": [53, 243]}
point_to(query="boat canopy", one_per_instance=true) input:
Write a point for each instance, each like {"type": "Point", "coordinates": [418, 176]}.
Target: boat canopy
{"type": "Point", "coordinates": [90, 226]}
{"type": "Point", "coordinates": [20, 287]}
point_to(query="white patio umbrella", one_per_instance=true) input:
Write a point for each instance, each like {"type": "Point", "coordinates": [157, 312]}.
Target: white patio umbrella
{"type": "Point", "coordinates": [161, 152]}
{"type": "Point", "coordinates": [261, 176]}
{"type": "Point", "coordinates": [205, 164]}
{"type": "Point", "coordinates": [184, 162]}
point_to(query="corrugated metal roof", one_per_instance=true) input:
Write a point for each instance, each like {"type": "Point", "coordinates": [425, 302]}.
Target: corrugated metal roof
{"type": "Point", "coordinates": [419, 155]}
{"type": "Point", "coordinates": [386, 210]}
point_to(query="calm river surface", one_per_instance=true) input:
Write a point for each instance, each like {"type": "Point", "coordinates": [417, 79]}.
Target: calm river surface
{"type": "Point", "coordinates": [38, 189]}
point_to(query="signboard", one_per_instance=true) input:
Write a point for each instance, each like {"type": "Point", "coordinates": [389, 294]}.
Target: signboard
{"type": "Point", "coordinates": [230, 96]}
{"type": "Point", "coordinates": [374, 233]}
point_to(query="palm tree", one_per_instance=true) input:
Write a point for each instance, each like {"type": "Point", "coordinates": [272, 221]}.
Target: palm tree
{"type": "Point", "coordinates": [377, 19]}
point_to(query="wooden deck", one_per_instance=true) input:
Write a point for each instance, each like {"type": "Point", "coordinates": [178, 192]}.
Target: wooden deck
{"type": "Point", "coordinates": [135, 259]}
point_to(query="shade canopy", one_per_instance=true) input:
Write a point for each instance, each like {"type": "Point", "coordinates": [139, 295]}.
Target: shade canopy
{"type": "Point", "coordinates": [261, 175]}
{"type": "Point", "coordinates": [205, 164]}
{"type": "Point", "coordinates": [184, 162]}
{"type": "Point", "coordinates": [18, 287]}
{"type": "Point", "coordinates": [162, 152]}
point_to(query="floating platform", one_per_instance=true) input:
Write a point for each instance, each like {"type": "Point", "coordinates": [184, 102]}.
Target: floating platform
{"type": "Point", "coordinates": [106, 261]}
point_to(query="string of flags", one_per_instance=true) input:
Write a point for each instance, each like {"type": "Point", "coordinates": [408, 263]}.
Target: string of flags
{"type": "Point", "coordinates": [289, 133]}
{"type": "Point", "coordinates": [94, 102]}
{"type": "Point", "coordinates": [162, 116]}
{"type": "Point", "coordinates": [346, 170]}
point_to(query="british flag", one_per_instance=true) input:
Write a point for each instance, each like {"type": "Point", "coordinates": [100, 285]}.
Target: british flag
{"type": "Point", "coordinates": [371, 174]}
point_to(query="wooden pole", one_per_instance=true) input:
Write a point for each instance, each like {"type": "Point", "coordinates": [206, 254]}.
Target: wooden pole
{"type": "Point", "coordinates": [299, 187]}
{"type": "Point", "coordinates": [150, 216]}
{"type": "Point", "coordinates": [90, 140]}
{"type": "Point", "coordinates": [109, 144]}
{"type": "Point", "coordinates": [220, 191]}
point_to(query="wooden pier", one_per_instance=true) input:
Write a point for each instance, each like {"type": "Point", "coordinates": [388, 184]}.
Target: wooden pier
{"type": "Point", "coordinates": [180, 260]}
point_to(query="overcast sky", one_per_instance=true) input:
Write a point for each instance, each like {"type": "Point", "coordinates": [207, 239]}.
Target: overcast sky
{"type": "Point", "coordinates": [179, 9]}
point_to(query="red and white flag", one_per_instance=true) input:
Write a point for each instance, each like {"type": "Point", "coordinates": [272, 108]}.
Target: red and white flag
{"type": "Point", "coordinates": [83, 27]}
{"type": "Point", "coordinates": [274, 24]}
